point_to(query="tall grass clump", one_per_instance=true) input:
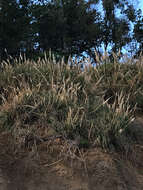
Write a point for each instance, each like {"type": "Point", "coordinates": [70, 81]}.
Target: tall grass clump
{"type": "Point", "coordinates": [70, 101]}
{"type": "Point", "coordinates": [122, 75]}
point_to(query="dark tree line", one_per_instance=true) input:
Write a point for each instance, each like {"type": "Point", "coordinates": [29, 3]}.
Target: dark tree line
{"type": "Point", "coordinates": [69, 27]}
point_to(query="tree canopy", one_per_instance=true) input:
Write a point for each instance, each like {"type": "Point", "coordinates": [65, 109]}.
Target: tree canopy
{"type": "Point", "coordinates": [69, 27]}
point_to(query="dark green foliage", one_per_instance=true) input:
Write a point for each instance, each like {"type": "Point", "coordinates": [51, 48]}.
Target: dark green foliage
{"type": "Point", "coordinates": [68, 27]}
{"type": "Point", "coordinates": [138, 31]}
{"type": "Point", "coordinates": [14, 27]}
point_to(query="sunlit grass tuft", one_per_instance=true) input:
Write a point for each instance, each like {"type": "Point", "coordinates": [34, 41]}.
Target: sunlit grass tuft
{"type": "Point", "coordinates": [71, 101]}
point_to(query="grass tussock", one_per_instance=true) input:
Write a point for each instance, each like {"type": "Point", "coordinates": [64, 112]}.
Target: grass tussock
{"type": "Point", "coordinates": [94, 104]}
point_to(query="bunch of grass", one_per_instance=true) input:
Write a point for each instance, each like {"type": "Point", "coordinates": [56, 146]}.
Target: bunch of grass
{"type": "Point", "coordinates": [69, 100]}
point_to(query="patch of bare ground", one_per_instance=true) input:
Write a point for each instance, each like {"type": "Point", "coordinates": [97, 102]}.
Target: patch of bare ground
{"type": "Point", "coordinates": [48, 167]}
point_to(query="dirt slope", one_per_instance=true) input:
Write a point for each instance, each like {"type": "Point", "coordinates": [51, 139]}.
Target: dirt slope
{"type": "Point", "coordinates": [28, 170]}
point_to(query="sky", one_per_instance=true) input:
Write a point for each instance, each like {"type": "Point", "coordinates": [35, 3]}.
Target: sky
{"type": "Point", "coordinates": [140, 5]}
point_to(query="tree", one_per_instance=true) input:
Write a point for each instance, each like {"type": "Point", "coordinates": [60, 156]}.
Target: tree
{"type": "Point", "coordinates": [14, 26]}
{"type": "Point", "coordinates": [138, 32]}
{"type": "Point", "coordinates": [68, 26]}
{"type": "Point", "coordinates": [72, 27]}
{"type": "Point", "coordinates": [116, 23]}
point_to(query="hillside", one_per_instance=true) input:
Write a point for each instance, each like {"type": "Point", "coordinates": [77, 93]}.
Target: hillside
{"type": "Point", "coordinates": [65, 127]}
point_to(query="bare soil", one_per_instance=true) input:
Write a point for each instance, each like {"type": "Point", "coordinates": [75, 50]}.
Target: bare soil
{"type": "Point", "coordinates": [44, 169]}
